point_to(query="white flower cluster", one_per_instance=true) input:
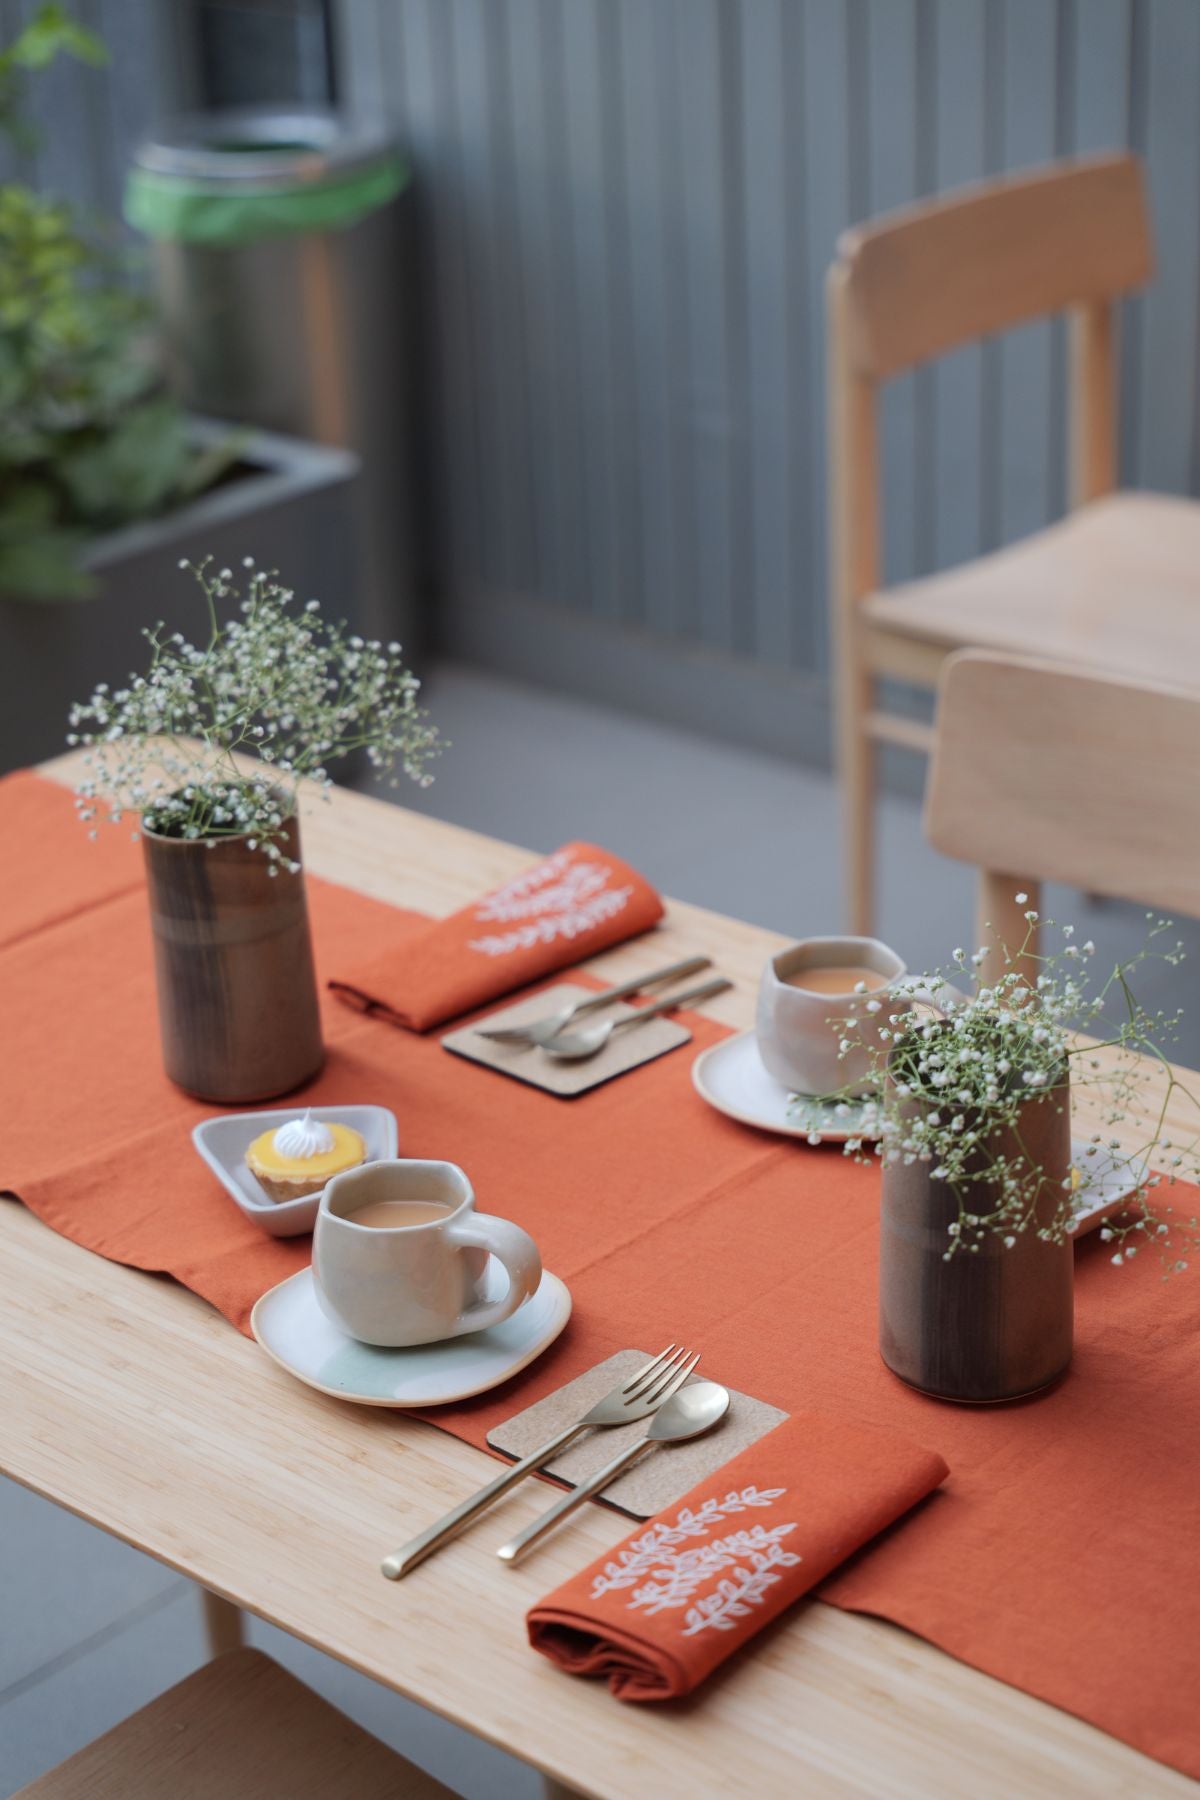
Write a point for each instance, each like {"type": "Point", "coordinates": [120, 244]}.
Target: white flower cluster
{"type": "Point", "coordinates": [953, 1084]}
{"type": "Point", "coordinates": [273, 682]}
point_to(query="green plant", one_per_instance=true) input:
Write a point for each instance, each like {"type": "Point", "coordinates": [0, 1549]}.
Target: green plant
{"type": "Point", "coordinates": [88, 440]}
{"type": "Point", "coordinates": [952, 1081]}
{"type": "Point", "coordinates": [273, 682]}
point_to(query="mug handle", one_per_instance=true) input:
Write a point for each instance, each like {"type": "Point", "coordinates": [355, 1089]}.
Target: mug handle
{"type": "Point", "coordinates": [510, 1246]}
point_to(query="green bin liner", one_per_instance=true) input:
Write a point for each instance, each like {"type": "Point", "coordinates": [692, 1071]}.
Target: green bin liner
{"type": "Point", "coordinates": [193, 212]}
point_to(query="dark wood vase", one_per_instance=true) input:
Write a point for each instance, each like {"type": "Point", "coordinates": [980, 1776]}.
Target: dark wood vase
{"type": "Point", "coordinates": [991, 1324]}
{"type": "Point", "coordinates": [237, 992]}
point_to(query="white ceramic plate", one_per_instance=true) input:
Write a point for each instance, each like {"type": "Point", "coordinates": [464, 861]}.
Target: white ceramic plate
{"type": "Point", "coordinates": [290, 1326]}
{"type": "Point", "coordinates": [731, 1077]}
{"type": "Point", "coordinates": [1111, 1180]}
{"type": "Point", "coordinates": [224, 1140]}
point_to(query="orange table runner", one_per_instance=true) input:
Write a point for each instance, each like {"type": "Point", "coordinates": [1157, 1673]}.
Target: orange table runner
{"type": "Point", "coordinates": [1057, 1555]}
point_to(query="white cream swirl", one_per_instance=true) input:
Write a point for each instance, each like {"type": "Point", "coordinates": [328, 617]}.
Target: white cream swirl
{"type": "Point", "coordinates": [304, 1137]}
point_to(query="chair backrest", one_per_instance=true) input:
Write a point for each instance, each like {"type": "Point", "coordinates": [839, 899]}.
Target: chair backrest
{"type": "Point", "coordinates": [986, 258]}
{"type": "Point", "coordinates": [1050, 773]}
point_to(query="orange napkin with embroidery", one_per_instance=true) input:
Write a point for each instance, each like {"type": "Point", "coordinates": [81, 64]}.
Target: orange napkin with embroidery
{"type": "Point", "coordinates": [576, 903]}
{"type": "Point", "coordinates": [656, 1615]}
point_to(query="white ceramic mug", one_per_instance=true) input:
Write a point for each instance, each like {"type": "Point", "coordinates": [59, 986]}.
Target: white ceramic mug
{"type": "Point", "coordinates": [798, 1030]}
{"type": "Point", "coordinates": [415, 1284]}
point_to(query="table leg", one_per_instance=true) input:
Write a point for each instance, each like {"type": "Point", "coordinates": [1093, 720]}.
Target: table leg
{"type": "Point", "coordinates": [554, 1790]}
{"type": "Point", "coordinates": [222, 1623]}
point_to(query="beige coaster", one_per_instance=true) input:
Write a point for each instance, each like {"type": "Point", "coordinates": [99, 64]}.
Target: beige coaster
{"type": "Point", "coordinates": [625, 1050]}
{"type": "Point", "coordinates": [665, 1474]}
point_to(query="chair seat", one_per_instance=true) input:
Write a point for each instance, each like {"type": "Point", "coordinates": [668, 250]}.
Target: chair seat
{"type": "Point", "coordinates": [1114, 586]}
{"type": "Point", "coordinates": [240, 1728]}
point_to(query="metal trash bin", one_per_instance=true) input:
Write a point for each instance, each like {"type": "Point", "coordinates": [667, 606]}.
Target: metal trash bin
{"type": "Point", "coordinates": [282, 242]}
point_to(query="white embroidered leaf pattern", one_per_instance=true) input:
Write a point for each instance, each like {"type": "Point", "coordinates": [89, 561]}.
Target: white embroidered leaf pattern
{"type": "Point", "coordinates": [735, 1597]}
{"type": "Point", "coordinates": [493, 905]}
{"type": "Point", "coordinates": [658, 1544]}
{"type": "Point", "coordinates": [680, 1573]}
{"type": "Point", "coordinates": [547, 888]}
{"type": "Point", "coordinates": [558, 899]}
{"type": "Point", "coordinates": [553, 926]}
{"type": "Point", "coordinates": [669, 1565]}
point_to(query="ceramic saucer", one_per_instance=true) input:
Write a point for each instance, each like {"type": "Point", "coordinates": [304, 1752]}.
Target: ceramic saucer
{"type": "Point", "coordinates": [731, 1077]}
{"type": "Point", "coordinates": [291, 1327]}
{"type": "Point", "coordinates": [1110, 1181]}
{"type": "Point", "coordinates": [224, 1140]}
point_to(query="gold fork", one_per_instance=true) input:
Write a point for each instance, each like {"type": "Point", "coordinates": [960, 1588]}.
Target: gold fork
{"type": "Point", "coordinates": [642, 1394]}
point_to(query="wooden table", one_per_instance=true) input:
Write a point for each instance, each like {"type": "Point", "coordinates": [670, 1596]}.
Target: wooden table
{"type": "Point", "coordinates": [131, 1402]}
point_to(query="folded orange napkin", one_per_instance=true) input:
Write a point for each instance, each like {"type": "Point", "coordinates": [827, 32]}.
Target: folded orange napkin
{"type": "Point", "coordinates": [657, 1614]}
{"type": "Point", "coordinates": [575, 904]}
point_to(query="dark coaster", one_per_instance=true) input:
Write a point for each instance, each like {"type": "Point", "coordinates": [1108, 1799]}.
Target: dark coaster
{"type": "Point", "coordinates": [624, 1051]}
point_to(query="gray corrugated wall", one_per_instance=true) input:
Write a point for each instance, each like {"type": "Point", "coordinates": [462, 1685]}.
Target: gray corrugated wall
{"type": "Point", "coordinates": [87, 120]}
{"type": "Point", "coordinates": [628, 207]}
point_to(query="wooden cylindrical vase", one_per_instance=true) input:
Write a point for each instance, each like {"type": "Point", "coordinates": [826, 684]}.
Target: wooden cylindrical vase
{"type": "Point", "coordinates": [237, 992]}
{"type": "Point", "coordinates": [989, 1324]}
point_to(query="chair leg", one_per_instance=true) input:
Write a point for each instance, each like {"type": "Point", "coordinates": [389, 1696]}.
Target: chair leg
{"type": "Point", "coordinates": [856, 771]}
{"type": "Point", "coordinates": [855, 511]}
{"type": "Point", "coordinates": [223, 1623]}
{"type": "Point", "coordinates": [1001, 923]}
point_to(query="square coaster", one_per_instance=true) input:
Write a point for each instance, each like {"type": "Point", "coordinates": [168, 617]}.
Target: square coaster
{"type": "Point", "coordinates": [666, 1473]}
{"type": "Point", "coordinates": [624, 1051]}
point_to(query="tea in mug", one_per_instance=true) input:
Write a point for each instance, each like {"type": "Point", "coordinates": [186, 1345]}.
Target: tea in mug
{"type": "Point", "coordinates": [839, 979]}
{"type": "Point", "coordinates": [393, 1215]}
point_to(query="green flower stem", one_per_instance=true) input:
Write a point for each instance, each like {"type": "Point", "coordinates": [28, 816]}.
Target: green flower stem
{"type": "Point", "coordinates": [271, 680]}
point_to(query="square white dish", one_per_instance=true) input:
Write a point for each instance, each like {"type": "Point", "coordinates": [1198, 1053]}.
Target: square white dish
{"type": "Point", "coordinates": [224, 1140]}
{"type": "Point", "coordinates": [731, 1077]}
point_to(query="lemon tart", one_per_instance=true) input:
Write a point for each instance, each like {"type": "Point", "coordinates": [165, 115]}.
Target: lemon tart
{"type": "Point", "coordinates": [298, 1158]}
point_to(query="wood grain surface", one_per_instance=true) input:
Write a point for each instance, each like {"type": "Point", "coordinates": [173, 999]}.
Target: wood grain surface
{"type": "Point", "coordinates": [133, 1404]}
{"type": "Point", "coordinates": [240, 1726]}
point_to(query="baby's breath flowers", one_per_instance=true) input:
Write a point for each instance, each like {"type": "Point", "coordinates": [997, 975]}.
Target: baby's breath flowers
{"type": "Point", "coordinates": [953, 1082]}
{"type": "Point", "coordinates": [272, 680]}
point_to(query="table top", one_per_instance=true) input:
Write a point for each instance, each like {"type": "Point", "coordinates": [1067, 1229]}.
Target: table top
{"type": "Point", "coordinates": [132, 1403]}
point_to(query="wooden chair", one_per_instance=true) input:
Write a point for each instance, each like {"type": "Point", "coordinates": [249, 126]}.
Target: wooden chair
{"type": "Point", "coordinates": [1041, 773]}
{"type": "Point", "coordinates": [240, 1728]}
{"type": "Point", "coordinates": [1116, 584]}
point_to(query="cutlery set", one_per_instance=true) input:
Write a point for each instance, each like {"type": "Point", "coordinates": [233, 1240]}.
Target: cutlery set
{"type": "Point", "coordinates": [656, 1392]}
{"type": "Point", "coordinates": [551, 1036]}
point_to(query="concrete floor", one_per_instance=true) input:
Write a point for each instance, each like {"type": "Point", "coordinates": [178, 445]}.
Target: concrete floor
{"type": "Point", "coordinates": [91, 1629]}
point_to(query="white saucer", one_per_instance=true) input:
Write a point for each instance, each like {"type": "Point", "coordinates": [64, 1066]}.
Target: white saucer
{"type": "Point", "coordinates": [291, 1327]}
{"type": "Point", "coordinates": [731, 1077]}
{"type": "Point", "coordinates": [224, 1140]}
{"type": "Point", "coordinates": [1110, 1182]}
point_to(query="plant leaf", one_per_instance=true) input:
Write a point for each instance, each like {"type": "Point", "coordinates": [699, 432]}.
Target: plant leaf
{"type": "Point", "coordinates": [130, 471]}
{"type": "Point", "coordinates": [44, 566]}
{"type": "Point", "coordinates": [207, 466]}
{"type": "Point", "coordinates": [51, 30]}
